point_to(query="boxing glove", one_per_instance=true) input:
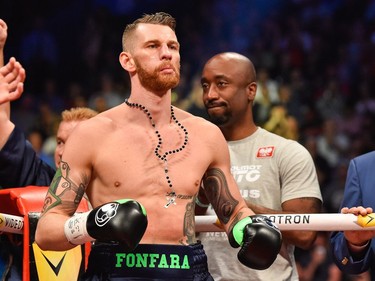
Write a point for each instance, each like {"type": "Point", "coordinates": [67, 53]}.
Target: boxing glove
{"type": "Point", "coordinates": [260, 241]}
{"type": "Point", "coordinates": [122, 221]}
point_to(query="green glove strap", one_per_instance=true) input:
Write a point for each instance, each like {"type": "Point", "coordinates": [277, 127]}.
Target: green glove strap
{"type": "Point", "coordinates": [122, 201]}
{"type": "Point", "coordinates": [238, 229]}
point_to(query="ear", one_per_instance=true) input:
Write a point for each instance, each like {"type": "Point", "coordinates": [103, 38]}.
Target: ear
{"type": "Point", "coordinates": [127, 62]}
{"type": "Point", "coordinates": [251, 91]}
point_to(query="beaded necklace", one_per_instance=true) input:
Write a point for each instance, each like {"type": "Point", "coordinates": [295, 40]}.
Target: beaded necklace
{"type": "Point", "coordinates": [170, 196]}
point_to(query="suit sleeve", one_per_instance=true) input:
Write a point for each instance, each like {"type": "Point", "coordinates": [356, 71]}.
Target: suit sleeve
{"type": "Point", "coordinates": [20, 166]}
{"type": "Point", "coordinates": [341, 253]}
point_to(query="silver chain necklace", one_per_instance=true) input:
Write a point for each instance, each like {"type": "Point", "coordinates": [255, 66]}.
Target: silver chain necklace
{"type": "Point", "coordinates": [170, 196]}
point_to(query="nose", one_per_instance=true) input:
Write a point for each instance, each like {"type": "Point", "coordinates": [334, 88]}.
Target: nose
{"type": "Point", "coordinates": [212, 92]}
{"type": "Point", "coordinates": [58, 153]}
{"type": "Point", "coordinates": [165, 52]}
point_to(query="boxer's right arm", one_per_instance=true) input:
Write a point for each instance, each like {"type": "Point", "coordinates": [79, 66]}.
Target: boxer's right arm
{"type": "Point", "coordinates": [67, 188]}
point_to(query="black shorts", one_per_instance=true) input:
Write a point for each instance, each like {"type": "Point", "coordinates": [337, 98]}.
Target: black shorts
{"type": "Point", "coordinates": [147, 262]}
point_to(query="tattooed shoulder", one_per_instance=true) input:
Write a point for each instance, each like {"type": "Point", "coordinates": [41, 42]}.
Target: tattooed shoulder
{"type": "Point", "coordinates": [64, 189]}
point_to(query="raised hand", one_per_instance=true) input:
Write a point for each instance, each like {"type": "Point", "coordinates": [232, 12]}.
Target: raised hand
{"type": "Point", "coordinates": [3, 38]}
{"type": "Point", "coordinates": [12, 77]}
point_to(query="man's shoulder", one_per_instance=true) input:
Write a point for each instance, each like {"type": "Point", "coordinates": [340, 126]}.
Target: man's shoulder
{"type": "Point", "coordinates": [272, 137]}
{"type": "Point", "coordinates": [283, 144]}
{"type": "Point", "coordinates": [196, 121]}
{"type": "Point", "coordinates": [97, 125]}
{"type": "Point", "coordinates": [365, 159]}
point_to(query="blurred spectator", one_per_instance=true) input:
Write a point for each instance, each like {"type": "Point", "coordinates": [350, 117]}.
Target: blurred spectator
{"type": "Point", "coordinates": [39, 52]}
{"type": "Point", "coordinates": [193, 103]}
{"type": "Point", "coordinates": [333, 192]}
{"type": "Point", "coordinates": [107, 95]}
{"type": "Point", "coordinates": [267, 95]}
{"type": "Point", "coordinates": [317, 264]}
{"type": "Point", "coordinates": [290, 101]}
{"type": "Point", "coordinates": [51, 95]}
{"type": "Point", "coordinates": [76, 95]}
{"type": "Point", "coordinates": [281, 123]}
{"type": "Point", "coordinates": [331, 143]}
{"type": "Point", "coordinates": [47, 120]}
{"type": "Point", "coordinates": [323, 169]}
{"type": "Point", "coordinates": [331, 103]}
{"type": "Point", "coordinates": [36, 139]}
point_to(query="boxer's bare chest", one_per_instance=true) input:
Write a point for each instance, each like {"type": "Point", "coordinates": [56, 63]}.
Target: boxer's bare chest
{"type": "Point", "coordinates": [135, 162]}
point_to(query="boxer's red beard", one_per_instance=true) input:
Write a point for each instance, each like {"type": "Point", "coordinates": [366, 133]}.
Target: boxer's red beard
{"type": "Point", "coordinates": [155, 80]}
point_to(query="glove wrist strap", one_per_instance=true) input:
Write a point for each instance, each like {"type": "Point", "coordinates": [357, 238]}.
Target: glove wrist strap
{"type": "Point", "coordinates": [76, 231]}
{"type": "Point", "coordinates": [238, 229]}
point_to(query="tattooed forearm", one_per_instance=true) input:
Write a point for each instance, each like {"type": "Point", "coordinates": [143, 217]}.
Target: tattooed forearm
{"type": "Point", "coordinates": [189, 223]}
{"type": "Point", "coordinates": [217, 192]}
{"type": "Point", "coordinates": [63, 189]}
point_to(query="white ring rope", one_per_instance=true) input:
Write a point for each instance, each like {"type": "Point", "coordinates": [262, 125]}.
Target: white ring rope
{"type": "Point", "coordinates": [10, 223]}
{"type": "Point", "coordinates": [312, 222]}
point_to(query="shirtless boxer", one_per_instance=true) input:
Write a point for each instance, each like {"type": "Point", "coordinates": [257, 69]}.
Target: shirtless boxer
{"type": "Point", "coordinates": [158, 155]}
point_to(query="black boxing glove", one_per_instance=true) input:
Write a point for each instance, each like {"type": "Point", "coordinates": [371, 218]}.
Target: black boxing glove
{"type": "Point", "coordinates": [260, 241]}
{"type": "Point", "coordinates": [123, 221]}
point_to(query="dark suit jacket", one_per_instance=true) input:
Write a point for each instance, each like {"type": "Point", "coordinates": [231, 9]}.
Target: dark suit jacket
{"type": "Point", "coordinates": [20, 166]}
{"type": "Point", "coordinates": [359, 191]}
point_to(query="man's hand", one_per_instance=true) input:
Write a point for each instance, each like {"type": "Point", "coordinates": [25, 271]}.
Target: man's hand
{"type": "Point", "coordinates": [12, 77]}
{"type": "Point", "coordinates": [3, 33]}
{"type": "Point", "coordinates": [3, 38]}
{"type": "Point", "coordinates": [358, 238]}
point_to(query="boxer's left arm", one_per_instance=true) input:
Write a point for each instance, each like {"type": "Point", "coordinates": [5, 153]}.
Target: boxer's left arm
{"type": "Point", "coordinates": [255, 235]}
{"type": "Point", "coordinates": [307, 205]}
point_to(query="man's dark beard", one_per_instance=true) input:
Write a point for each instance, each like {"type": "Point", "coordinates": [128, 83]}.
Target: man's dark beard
{"type": "Point", "coordinates": [219, 120]}
{"type": "Point", "coordinates": [155, 81]}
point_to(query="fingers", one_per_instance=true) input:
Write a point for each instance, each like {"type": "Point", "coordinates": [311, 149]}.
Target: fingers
{"type": "Point", "coordinates": [12, 77]}
{"type": "Point", "coordinates": [3, 33]}
{"type": "Point", "coordinates": [13, 95]}
{"type": "Point", "coordinates": [359, 210]}
{"type": "Point", "coordinates": [13, 73]}
{"type": "Point", "coordinates": [3, 25]}
{"type": "Point", "coordinates": [345, 210]}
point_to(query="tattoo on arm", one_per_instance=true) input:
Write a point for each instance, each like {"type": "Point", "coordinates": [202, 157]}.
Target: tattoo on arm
{"type": "Point", "coordinates": [63, 189]}
{"type": "Point", "coordinates": [189, 223]}
{"type": "Point", "coordinates": [217, 192]}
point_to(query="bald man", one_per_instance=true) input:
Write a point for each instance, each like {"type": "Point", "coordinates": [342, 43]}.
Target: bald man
{"type": "Point", "coordinates": [275, 175]}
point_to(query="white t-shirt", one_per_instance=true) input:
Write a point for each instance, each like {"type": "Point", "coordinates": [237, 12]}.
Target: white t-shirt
{"type": "Point", "coordinates": [269, 170]}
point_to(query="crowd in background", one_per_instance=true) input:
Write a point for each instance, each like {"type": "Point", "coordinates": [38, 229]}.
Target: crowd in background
{"type": "Point", "coordinates": [315, 62]}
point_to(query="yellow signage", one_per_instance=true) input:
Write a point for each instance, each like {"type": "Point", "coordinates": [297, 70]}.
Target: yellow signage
{"type": "Point", "coordinates": [366, 221]}
{"type": "Point", "coordinates": [57, 265]}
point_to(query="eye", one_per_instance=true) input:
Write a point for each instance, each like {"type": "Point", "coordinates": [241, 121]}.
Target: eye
{"type": "Point", "coordinates": [152, 46]}
{"type": "Point", "coordinates": [174, 47]}
{"type": "Point", "coordinates": [204, 86]}
{"type": "Point", "coordinates": [222, 84]}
